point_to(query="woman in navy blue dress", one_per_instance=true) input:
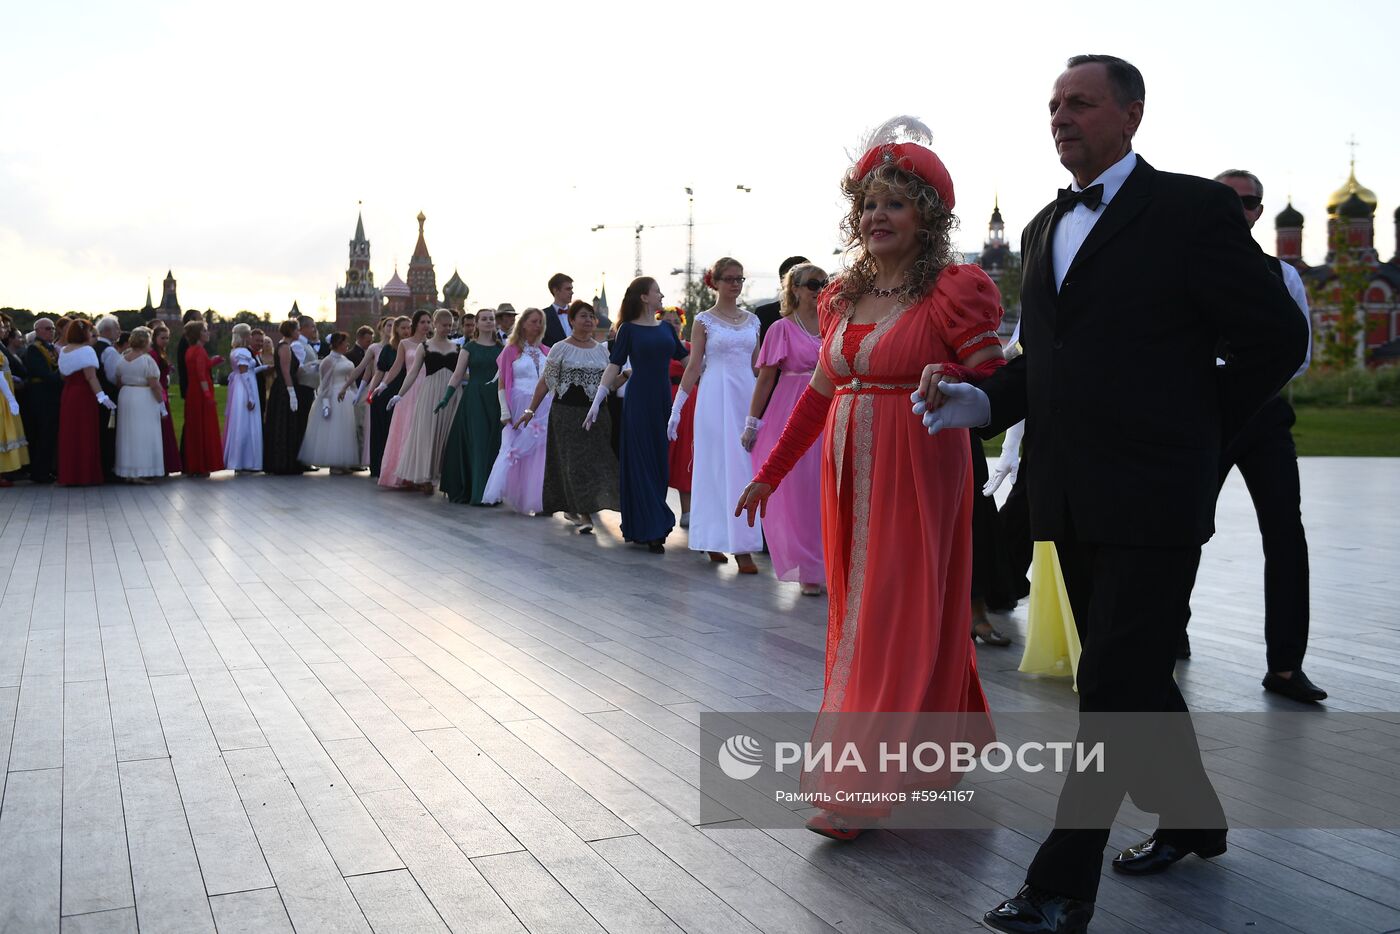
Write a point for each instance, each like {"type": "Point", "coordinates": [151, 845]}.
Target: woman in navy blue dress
{"type": "Point", "coordinates": [647, 347]}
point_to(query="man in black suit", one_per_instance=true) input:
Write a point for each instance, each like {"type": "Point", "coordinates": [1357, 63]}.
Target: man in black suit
{"type": "Point", "coordinates": [1131, 279]}
{"type": "Point", "coordinates": [1268, 462]}
{"type": "Point", "coordinates": [556, 314]}
{"type": "Point", "coordinates": [769, 312]}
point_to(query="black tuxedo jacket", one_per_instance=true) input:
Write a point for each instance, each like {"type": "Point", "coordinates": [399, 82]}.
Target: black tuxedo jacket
{"type": "Point", "coordinates": [553, 330]}
{"type": "Point", "coordinates": [1125, 412]}
{"type": "Point", "coordinates": [768, 315]}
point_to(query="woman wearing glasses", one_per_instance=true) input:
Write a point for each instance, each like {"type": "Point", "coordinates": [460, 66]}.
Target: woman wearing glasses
{"type": "Point", "coordinates": [793, 524]}
{"type": "Point", "coordinates": [724, 346]}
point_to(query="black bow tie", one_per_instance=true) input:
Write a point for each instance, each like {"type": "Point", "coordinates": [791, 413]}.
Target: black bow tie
{"type": "Point", "coordinates": [1090, 197]}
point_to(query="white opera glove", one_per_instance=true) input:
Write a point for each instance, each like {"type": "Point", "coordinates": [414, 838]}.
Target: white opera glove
{"type": "Point", "coordinates": [1010, 461]}
{"type": "Point", "coordinates": [106, 400]}
{"type": "Point", "coordinates": [750, 432]}
{"type": "Point", "coordinates": [592, 415]}
{"type": "Point", "coordinates": [9, 395]}
{"type": "Point", "coordinates": [292, 395]}
{"type": "Point", "coordinates": [260, 367]}
{"type": "Point", "coordinates": [965, 406]}
{"type": "Point", "coordinates": [673, 425]}
{"type": "Point", "coordinates": [164, 411]}
{"type": "Point", "coordinates": [393, 401]}
{"type": "Point", "coordinates": [325, 408]}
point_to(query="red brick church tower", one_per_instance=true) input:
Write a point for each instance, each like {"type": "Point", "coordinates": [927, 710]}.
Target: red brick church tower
{"type": "Point", "coordinates": [421, 280]}
{"type": "Point", "coordinates": [357, 301]}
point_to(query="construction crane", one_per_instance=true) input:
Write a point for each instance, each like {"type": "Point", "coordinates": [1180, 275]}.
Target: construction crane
{"type": "Point", "coordinates": [637, 235]}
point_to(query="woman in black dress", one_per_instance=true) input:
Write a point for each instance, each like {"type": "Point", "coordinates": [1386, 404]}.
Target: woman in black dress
{"type": "Point", "coordinates": [379, 414]}
{"type": "Point", "coordinates": [286, 417]}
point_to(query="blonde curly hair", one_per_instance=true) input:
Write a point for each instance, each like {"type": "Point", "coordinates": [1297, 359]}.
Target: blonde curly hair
{"type": "Point", "coordinates": [790, 299]}
{"type": "Point", "coordinates": [936, 225]}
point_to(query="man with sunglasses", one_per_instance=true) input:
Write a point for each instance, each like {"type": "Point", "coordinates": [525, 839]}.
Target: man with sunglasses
{"type": "Point", "coordinates": [1268, 462]}
{"type": "Point", "coordinates": [769, 312]}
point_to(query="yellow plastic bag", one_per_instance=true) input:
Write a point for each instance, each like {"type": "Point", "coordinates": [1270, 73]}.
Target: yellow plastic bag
{"type": "Point", "coordinates": [1052, 642]}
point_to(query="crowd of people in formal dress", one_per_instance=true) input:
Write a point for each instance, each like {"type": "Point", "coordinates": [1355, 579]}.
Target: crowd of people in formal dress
{"type": "Point", "coordinates": [791, 427]}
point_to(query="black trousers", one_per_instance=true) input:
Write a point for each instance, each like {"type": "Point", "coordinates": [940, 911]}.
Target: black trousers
{"type": "Point", "coordinates": [1268, 462]}
{"type": "Point", "coordinates": [1130, 609]}
{"type": "Point", "coordinates": [989, 579]}
{"type": "Point", "coordinates": [1015, 544]}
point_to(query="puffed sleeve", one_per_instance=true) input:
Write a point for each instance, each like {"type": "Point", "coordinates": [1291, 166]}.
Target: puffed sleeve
{"type": "Point", "coordinates": [775, 345]}
{"type": "Point", "coordinates": [622, 345]}
{"type": "Point", "coordinates": [967, 309]}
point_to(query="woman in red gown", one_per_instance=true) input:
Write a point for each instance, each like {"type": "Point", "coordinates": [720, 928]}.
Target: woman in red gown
{"type": "Point", "coordinates": [896, 533]}
{"type": "Point", "coordinates": [160, 340]}
{"type": "Point", "coordinates": [80, 409]}
{"type": "Point", "coordinates": [201, 448]}
{"type": "Point", "coordinates": [681, 454]}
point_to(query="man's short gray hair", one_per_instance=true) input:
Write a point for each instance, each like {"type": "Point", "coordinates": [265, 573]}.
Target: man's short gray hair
{"type": "Point", "coordinates": [1242, 173]}
{"type": "Point", "coordinates": [108, 324]}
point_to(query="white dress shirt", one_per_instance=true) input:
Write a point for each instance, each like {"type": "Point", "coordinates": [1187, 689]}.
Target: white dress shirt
{"type": "Point", "coordinates": [1073, 227]}
{"type": "Point", "coordinates": [1294, 283]}
{"type": "Point", "coordinates": [110, 359]}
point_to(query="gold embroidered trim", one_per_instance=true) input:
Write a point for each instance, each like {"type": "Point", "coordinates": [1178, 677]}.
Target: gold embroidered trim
{"type": "Point", "coordinates": [863, 443]}
{"type": "Point", "coordinates": [978, 337]}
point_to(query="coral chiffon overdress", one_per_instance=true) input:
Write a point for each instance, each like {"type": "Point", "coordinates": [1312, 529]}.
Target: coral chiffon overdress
{"type": "Point", "coordinates": [897, 535]}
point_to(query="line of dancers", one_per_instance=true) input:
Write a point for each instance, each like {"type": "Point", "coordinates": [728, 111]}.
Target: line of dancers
{"type": "Point", "coordinates": [440, 403]}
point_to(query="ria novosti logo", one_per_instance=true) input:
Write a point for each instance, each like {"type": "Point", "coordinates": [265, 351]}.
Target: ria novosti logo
{"type": "Point", "coordinates": [740, 757]}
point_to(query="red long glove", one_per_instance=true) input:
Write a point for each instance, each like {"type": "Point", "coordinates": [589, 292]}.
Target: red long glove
{"type": "Point", "coordinates": [803, 426]}
{"type": "Point", "coordinates": [977, 373]}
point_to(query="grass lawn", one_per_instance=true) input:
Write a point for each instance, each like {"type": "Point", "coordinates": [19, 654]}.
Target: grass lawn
{"type": "Point", "coordinates": [1329, 431]}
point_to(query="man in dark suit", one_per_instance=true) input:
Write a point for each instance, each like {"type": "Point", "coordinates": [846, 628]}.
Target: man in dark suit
{"type": "Point", "coordinates": [1131, 279]}
{"type": "Point", "coordinates": [769, 312]}
{"type": "Point", "coordinates": [1268, 462]}
{"type": "Point", "coordinates": [556, 314]}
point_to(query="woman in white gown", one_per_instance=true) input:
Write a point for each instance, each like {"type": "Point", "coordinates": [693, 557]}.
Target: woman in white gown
{"type": "Point", "coordinates": [518, 474]}
{"type": "Point", "coordinates": [724, 346]}
{"type": "Point", "coordinates": [331, 437]}
{"type": "Point", "coordinates": [243, 428]}
{"type": "Point", "coordinates": [140, 405]}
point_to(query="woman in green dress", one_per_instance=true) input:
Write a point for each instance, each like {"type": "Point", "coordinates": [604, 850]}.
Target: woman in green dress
{"type": "Point", "coordinates": [475, 439]}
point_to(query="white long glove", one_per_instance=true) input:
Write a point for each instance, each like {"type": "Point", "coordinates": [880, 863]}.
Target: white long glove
{"type": "Point", "coordinates": [592, 415]}
{"type": "Point", "coordinates": [1010, 461]}
{"type": "Point", "coordinates": [966, 406]}
{"type": "Point", "coordinates": [164, 412]}
{"type": "Point", "coordinates": [106, 400]}
{"type": "Point", "coordinates": [9, 394]}
{"type": "Point", "coordinates": [393, 401]}
{"type": "Point", "coordinates": [673, 425]}
{"type": "Point", "coordinates": [750, 432]}
{"type": "Point", "coordinates": [325, 408]}
{"type": "Point", "coordinates": [292, 395]}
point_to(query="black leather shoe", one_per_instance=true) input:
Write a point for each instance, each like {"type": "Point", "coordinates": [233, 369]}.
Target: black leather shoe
{"type": "Point", "coordinates": [1298, 687]}
{"type": "Point", "coordinates": [1035, 911]}
{"type": "Point", "coordinates": [1183, 648]}
{"type": "Point", "coordinates": [1153, 855]}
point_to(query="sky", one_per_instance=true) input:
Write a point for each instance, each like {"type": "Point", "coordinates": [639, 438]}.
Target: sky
{"type": "Point", "coordinates": [234, 143]}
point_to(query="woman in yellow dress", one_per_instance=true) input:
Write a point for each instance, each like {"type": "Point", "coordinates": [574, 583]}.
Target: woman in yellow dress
{"type": "Point", "coordinates": [14, 449]}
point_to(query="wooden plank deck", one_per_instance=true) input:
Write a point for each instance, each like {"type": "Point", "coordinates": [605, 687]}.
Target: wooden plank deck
{"type": "Point", "coordinates": [276, 704]}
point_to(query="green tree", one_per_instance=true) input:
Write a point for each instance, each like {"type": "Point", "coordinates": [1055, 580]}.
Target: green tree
{"type": "Point", "coordinates": [1341, 343]}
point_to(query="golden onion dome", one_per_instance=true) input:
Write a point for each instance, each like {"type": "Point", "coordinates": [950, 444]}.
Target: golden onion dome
{"type": "Point", "coordinates": [1352, 187]}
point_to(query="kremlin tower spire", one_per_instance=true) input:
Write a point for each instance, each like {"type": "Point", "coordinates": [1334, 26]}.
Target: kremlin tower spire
{"type": "Point", "coordinates": [422, 281]}
{"type": "Point", "coordinates": [357, 301]}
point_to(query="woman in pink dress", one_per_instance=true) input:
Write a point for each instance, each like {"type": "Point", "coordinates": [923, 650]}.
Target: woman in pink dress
{"type": "Point", "coordinates": [402, 413]}
{"type": "Point", "coordinates": [896, 530]}
{"type": "Point", "coordinates": [793, 524]}
{"type": "Point", "coordinates": [517, 477]}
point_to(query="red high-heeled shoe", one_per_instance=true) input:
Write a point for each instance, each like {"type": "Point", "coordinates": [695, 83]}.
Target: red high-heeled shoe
{"type": "Point", "coordinates": [825, 824]}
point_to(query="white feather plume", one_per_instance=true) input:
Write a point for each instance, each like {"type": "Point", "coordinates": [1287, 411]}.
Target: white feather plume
{"type": "Point", "coordinates": [903, 128]}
